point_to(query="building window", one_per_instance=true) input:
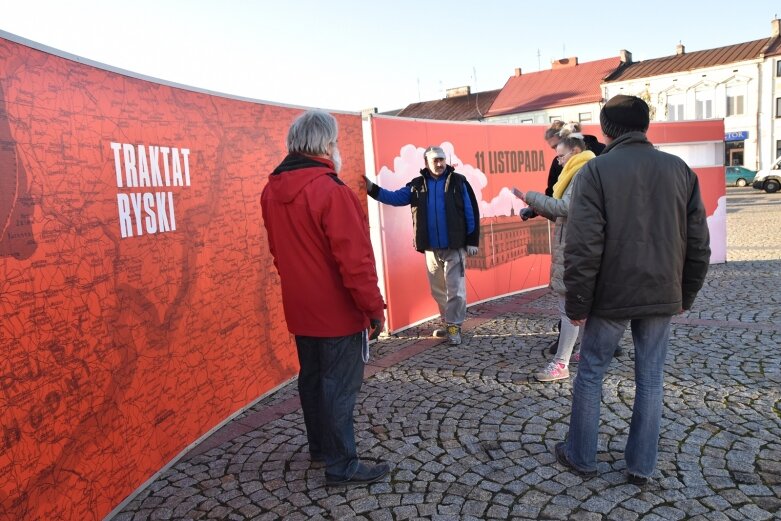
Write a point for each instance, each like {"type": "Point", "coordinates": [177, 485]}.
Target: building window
{"type": "Point", "coordinates": [703, 105]}
{"type": "Point", "coordinates": [584, 117]}
{"type": "Point", "coordinates": [527, 122]}
{"type": "Point", "coordinates": [675, 107]}
{"type": "Point", "coordinates": [778, 68]}
{"type": "Point", "coordinates": [778, 148]}
{"type": "Point", "coordinates": [735, 97]}
{"type": "Point", "coordinates": [554, 118]}
{"type": "Point", "coordinates": [778, 107]}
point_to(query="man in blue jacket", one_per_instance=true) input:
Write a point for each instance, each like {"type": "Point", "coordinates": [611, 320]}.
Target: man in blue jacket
{"type": "Point", "coordinates": [446, 222]}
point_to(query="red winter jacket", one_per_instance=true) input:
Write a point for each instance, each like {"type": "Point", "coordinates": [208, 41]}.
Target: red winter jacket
{"type": "Point", "coordinates": [319, 238]}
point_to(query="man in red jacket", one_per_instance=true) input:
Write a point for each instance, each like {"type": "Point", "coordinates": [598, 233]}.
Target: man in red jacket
{"type": "Point", "coordinates": [319, 238]}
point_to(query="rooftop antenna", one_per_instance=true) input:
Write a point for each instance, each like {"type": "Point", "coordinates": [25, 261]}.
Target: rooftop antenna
{"type": "Point", "coordinates": [477, 94]}
{"type": "Point", "coordinates": [539, 63]}
{"type": "Point", "coordinates": [418, 89]}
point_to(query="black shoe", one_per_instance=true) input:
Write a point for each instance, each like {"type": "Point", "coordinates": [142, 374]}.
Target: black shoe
{"type": "Point", "coordinates": [364, 474]}
{"type": "Point", "coordinates": [561, 457]}
{"type": "Point", "coordinates": [554, 346]}
{"type": "Point", "coordinates": [618, 352]}
{"type": "Point", "coordinates": [634, 479]}
{"type": "Point", "coordinates": [317, 457]}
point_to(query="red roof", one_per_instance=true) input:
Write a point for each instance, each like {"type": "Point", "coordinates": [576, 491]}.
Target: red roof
{"type": "Point", "coordinates": [559, 87]}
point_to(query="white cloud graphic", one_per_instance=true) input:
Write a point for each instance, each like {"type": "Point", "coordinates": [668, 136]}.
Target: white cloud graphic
{"type": "Point", "coordinates": [409, 162]}
{"type": "Point", "coordinates": [717, 224]}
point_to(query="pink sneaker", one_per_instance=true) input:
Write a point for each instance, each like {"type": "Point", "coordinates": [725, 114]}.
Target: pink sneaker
{"type": "Point", "coordinates": [575, 358]}
{"type": "Point", "coordinates": [553, 371]}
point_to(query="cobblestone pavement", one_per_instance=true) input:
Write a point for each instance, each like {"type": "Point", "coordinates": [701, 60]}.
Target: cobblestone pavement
{"type": "Point", "coordinates": [469, 433]}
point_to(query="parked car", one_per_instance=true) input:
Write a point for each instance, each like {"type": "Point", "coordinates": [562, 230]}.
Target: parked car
{"type": "Point", "coordinates": [769, 179]}
{"type": "Point", "coordinates": [739, 176]}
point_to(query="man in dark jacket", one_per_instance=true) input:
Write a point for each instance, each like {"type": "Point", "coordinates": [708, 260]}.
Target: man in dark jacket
{"type": "Point", "coordinates": [446, 222]}
{"type": "Point", "coordinates": [319, 237]}
{"type": "Point", "coordinates": [637, 253]}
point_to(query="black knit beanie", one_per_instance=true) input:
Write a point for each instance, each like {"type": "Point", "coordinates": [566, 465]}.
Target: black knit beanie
{"type": "Point", "coordinates": [622, 114]}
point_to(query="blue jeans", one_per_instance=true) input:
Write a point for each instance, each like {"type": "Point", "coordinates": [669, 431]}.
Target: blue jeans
{"type": "Point", "coordinates": [600, 339]}
{"type": "Point", "coordinates": [328, 384]}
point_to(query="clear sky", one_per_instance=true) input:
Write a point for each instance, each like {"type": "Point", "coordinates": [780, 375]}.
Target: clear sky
{"type": "Point", "coordinates": [356, 54]}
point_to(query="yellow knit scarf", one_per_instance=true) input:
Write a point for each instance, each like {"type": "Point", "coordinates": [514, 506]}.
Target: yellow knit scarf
{"type": "Point", "coordinates": [570, 169]}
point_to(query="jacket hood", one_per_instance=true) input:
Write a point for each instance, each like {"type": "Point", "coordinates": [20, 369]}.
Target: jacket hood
{"type": "Point", "coordinates": [630, 138]}
{"type": "Point", "coordinates": [296, 172]}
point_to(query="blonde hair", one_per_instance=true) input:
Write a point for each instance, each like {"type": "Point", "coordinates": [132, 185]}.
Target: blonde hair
{"type": "Point", "coordinates": [571, 136]}
{"type": "Point", "coordinates": [555, 126]}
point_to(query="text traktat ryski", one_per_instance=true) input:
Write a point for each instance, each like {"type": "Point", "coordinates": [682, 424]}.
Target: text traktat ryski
{"type": "Point", "coordinates": [147, 176]}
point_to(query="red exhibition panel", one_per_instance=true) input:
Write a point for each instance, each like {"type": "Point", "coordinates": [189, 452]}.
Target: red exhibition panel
{"type": "Point", "coordinates": [514, 255]}
{"type": "Point", "coordinates": [139, 303]}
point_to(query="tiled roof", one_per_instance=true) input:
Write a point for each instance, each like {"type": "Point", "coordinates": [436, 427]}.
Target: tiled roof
{"type": "Point", "coordinates": [456, 108]}
{"type": "Point", "coordinates": [558, 87]}
{"type": "Point", "coordinates": [694, 60]}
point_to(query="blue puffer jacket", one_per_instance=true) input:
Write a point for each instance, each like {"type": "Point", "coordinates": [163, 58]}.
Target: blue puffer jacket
{"type": "Point", "coordinates": [445, 212]}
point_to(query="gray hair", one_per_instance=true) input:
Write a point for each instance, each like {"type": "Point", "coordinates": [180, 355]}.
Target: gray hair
{"type": "Point", "coordinates": [570, 134]}
{"type": "Point", "coordinates": [311, 133]}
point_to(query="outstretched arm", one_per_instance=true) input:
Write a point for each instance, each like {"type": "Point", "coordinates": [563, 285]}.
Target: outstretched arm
{"type": "Point", "coordinates": [400, 197]}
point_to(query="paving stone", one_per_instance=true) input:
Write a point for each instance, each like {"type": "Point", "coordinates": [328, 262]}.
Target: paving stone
{"type": "Point", "coordinates": [622, 514]}
{"type": "Point", "coordinates": [381, 515]}
{"type": "Point", "coordinates": [669, 513]}
{"type": "Point", "coordinates": [365, 504]}
{"type": "Point", "coordinates": [554, 511]}
{"type": "Point", "coordinates": [219, 512]}
{"type": "Point", "coordinates": [753, 512]}
{"type": "Point", "coordinates": [598, 504]}
{"type": "Point", "coordinates": [524, 510]}
{"type": "Point", "coordinates": [498, 512]}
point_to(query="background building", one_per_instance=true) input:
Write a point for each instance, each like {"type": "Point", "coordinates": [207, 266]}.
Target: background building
{"type": "Point", "coordinates": [739, 83]}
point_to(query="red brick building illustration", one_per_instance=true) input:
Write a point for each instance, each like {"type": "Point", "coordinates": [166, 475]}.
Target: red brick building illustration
{"type": "Point", "coordinates": [505, 238]}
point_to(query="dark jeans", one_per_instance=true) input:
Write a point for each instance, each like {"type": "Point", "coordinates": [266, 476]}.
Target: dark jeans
{"type": "Point", "coordinates": [328, 384]}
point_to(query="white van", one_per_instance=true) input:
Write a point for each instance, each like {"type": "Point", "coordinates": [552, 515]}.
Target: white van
{"type": "Point", "coordinates": [769, 179]}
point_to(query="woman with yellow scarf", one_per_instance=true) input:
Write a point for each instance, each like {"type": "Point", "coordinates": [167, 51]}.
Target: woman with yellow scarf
{"type": "Point", "coordinates": [572, 154]}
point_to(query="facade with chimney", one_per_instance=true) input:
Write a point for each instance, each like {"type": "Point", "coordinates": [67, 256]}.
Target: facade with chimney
{"type": "Point", "coordinates": [739, 83]}
{"type": "Point", "coordinates": [569, 91]}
